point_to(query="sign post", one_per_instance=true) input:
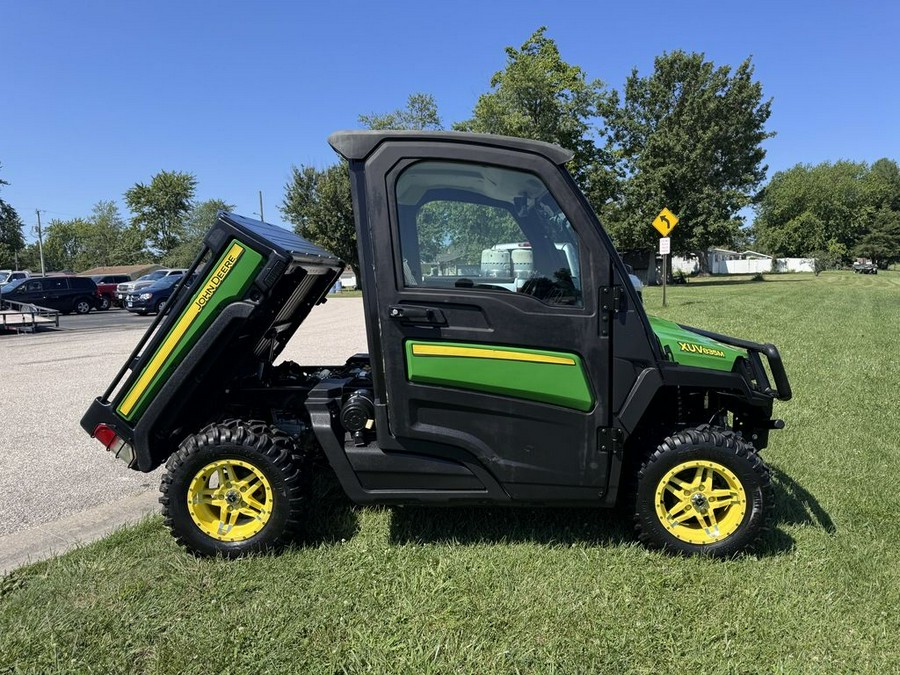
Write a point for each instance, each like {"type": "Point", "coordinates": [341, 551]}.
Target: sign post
{"type": "Point", "coordinates": [665, 247]}
{"type": "Point", "coordinates": [664, 223]}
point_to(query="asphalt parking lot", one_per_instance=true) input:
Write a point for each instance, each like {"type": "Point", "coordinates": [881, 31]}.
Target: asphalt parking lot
{"type": "Point", "coordinates": [50, 468]}
{"type": "Point", "coordinates": [111, 319]}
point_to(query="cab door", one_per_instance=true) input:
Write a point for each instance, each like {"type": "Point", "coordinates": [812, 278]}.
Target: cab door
{"type": "Point", "coordinates": [485, 321]}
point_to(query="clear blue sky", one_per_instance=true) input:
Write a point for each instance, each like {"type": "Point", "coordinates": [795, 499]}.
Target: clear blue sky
{"type": "Point", "coordinates": [97, 96]}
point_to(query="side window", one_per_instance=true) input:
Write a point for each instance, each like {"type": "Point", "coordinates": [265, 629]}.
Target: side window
{"type": "Point", "coordinates": [34, 286]}
{"type": "Point", "coordinates": [486, 228]}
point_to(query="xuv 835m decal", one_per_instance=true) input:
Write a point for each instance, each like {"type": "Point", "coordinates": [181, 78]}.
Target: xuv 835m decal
{"type": "Point", "coordinates": [700, 349]}
{"type": "Point", "coordinates": [549, 377]}
{"type": "Point", "coordinates": [229, 277]}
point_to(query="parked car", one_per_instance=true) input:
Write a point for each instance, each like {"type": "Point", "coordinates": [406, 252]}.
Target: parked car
{"type": "Point", "coordinates": [8, 276]}
{"type": "Point", "coordinates": [865, 268]}
{"type": "Point", "coordinates": [130, 287]}
{"type": "Point", "coordinates": [152, 298]}
{"type": "Point", "coordinates": [65, 294]}
{"type": "Point", "coordinates": [107, 285]}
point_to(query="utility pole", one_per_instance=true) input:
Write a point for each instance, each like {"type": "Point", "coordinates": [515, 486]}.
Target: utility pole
{"type": "Point", "coordinates": [40, 235]}
{"type": "Point", "coordinates": [261, 216]}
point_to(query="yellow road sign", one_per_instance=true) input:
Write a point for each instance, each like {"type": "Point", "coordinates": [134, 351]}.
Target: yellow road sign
{"type": "Point", "coordinates": [665, 222]}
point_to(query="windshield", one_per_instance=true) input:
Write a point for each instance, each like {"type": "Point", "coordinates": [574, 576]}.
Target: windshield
{"type": "Point", "coordinates": [153, 276]}
{"type": "Point", "coordinates": [13, 285]}
{"type": "Point", "coordinates": [165, 282]}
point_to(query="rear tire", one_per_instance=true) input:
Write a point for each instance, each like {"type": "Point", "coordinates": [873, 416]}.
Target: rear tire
{"type": "Point", "coordinates": [232, 489]}
{"type": "Point", "coordinates": [105, 304]}
{"type": "Point", "coordinates": [704, 491]}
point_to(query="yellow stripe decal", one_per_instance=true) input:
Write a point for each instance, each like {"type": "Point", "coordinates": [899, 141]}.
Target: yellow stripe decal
{"type": "Point", "coordinates": [189, 316]}
{"type": "Point", "coordinates": [497, 354]}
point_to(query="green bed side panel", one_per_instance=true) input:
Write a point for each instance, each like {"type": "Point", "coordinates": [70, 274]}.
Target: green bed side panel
{"type": "Point", "coordinates": [227, 280]}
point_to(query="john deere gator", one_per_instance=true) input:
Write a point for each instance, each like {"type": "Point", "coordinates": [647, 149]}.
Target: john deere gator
{"type": "Point", "coordinates": [510, 361]}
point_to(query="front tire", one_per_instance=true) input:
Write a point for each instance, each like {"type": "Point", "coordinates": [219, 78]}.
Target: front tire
{"type": "Point", "coordinates": [704, 491]}
{"type": "Point", "coordinates": [233, 489]}
{"type": "Point", "coordinates": [82, 306]}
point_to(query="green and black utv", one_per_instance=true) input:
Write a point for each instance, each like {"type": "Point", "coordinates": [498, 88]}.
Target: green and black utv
{"type": "Point", "coordinates": [509, 361]}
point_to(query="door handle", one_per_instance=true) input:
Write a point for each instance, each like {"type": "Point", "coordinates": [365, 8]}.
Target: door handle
{"type": "Point", "coordinates": [421, 315]}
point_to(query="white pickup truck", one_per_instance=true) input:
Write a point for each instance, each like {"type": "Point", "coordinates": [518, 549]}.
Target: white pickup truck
{"type": "Point", "coordinates": [6, 276]}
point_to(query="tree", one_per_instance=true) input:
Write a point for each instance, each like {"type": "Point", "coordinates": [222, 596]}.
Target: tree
{"type": "Point", "coordinates": [688, 136]}
{"type": "Point", "coordinates": [11, 239]}
{"type": "Point", "coordinates": [826, 207]}
{"type": "Point", "coordinates": [30, 257]}
{"type": "Point", "coordinates": [319, 206]}
{"type": "Point", "coordinates": [881, 244]}
{"type": "Point", "coordinates": [161, 208]}
{"type": "Point", "coordinates": [420, 113]}
{"type": "Point", "coordinates": [201, 218]}
{"type": "Point", "coordinates": [883, 184]}
{"type": "Point", "coordinates": [63, 244]}
{"type": "Point", "coordinates": [126, 243]}
{"type": "Point", "coordinates": [540, 96]}
{"type": "Point", "coordinates": [100, 237]}
{"type": "Point", "coordinates": [101, 240]}
{"type": "Point", "coordinates": [318, 202]}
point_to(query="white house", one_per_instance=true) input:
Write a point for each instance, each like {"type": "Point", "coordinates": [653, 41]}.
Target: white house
{"type": "Point", "coordinates": [726, 261]}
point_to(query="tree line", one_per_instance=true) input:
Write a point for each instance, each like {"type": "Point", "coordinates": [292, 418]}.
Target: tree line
{"type": "Point", "coordinates": [832, 212]}
{"type": "Point", "coordinates": [688, 136]}
{"type": "Point", "coordinates": [167, 225]}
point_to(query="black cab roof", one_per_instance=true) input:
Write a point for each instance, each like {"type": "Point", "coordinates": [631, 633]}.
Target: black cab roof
{"type": "Point", "coordinates": [358, 145]}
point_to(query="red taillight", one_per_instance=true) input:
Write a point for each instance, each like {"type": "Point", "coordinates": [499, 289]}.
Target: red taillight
{"type": "Point", "coordinates": [105, 435]}
{"type": "Point", "coordinates": [114, 444]}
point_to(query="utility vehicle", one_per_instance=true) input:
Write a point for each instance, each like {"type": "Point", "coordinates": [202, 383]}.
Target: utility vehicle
{"type": "Point", "coordinates": [865, 268]}
{"type": "Point", "coordinates": [538, 380]}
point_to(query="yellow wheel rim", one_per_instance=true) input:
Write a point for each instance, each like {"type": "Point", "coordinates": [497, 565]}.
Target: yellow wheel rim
{"type": "Point", "coordinates": [700, 502]}
{"type": "Point", "coordinates": [230, 500]}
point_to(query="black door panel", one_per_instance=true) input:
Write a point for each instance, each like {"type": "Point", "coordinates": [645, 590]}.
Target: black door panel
{"type": "Point", "coordinates": [531, 288]}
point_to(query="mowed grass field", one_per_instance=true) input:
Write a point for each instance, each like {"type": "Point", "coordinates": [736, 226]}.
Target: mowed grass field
{"type": "Point", "coordinates": [546, 591]}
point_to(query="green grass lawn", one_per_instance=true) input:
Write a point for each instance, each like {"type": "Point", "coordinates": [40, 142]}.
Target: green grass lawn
{"type": "Point", "coordinates": [549, 591]}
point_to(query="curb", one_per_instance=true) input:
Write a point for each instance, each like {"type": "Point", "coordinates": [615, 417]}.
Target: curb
{"type": "Point", "coordinates": [52, 539]}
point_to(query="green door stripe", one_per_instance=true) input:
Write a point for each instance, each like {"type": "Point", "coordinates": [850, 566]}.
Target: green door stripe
{"type": "Point", "coordinates": [557, 378]}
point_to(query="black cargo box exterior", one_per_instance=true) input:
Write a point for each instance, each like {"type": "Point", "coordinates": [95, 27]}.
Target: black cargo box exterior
{"type": "Point", "coordinates": [241, 301]}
